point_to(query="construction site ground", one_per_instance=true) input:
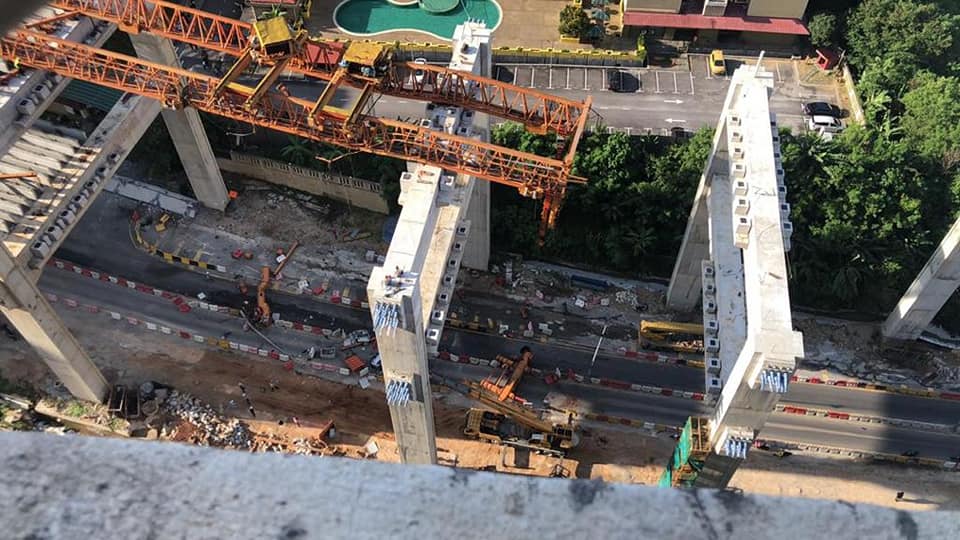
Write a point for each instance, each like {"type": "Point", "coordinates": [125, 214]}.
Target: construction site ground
{"type": "Point", "coordinates": [333, 258]}
{"type": "Point", "coordinates": [132, 356]}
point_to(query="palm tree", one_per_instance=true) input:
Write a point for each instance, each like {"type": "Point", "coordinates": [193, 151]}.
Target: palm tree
{"type": "Point", "coordinates": [298, 151]}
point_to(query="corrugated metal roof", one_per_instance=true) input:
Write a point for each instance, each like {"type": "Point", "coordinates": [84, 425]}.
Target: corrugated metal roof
{"type": "Point", "coordinates": [98, 97]}
{"type": "Point", "coordinates": [702, 22]}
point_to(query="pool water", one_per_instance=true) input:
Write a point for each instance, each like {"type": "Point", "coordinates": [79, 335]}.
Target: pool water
{"type": "Point", "coordinates": [369, 17]}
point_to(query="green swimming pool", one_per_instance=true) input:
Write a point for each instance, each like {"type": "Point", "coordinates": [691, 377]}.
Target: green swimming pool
{"type": "Point", "coordinates": [371, 17]}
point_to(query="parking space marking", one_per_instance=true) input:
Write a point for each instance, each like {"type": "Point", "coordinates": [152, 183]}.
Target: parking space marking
{"type": "Point", "coordinates": [533, 77]}
{"type": "Point", "coordinates": [567, 84]}
{"type": "Point", "coordinates": [585, 71]}
{"type": "Point", "coordinates": [657, 75]}
{"type": "Point", "coordinates": [779, 76]}
{"type": "Point", "coordinates": [675, 89]}
{"type": "Point", "coordinates": [707, 66]}
{"type": "Point", "coordinates": [639, 83]}
{"type": "Point", "coordinates": [550, 78]}
{"type": "Point", "coordinates": [692, 91]}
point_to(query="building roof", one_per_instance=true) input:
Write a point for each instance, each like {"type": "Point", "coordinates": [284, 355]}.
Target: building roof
{"type": "Point", "coordinates": [93, 95]}
{"type": "Point", "coordinates": [702, 22]}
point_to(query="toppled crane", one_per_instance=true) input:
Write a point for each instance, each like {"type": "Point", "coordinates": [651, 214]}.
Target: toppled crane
{"type": "Point", "coordinates": [513, 370]}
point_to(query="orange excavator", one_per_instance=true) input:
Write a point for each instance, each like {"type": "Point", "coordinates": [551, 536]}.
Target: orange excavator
{"type": "Point", "coordinates": [263, 308]}
{"type": "Point", "coordinates": [513, 370]}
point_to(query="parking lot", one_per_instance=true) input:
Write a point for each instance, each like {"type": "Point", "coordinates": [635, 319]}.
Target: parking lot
{"type": "Point", "coordinates": [687, 95]}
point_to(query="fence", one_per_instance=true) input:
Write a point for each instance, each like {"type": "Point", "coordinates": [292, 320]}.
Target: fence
{"type": "Point", "coordinates": [353, 191]}
{"type": "Point", "coordinates": [856, 109]}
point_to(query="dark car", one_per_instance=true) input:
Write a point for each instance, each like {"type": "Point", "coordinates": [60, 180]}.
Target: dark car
{"type": "Point", "coordinates": [615, 81]}
{"type": "Point", "coordinates": [822, 108]}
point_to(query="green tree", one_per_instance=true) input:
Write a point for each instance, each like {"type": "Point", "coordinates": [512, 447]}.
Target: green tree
{"type": "Point", "coordinates": [573, 21]}
{"type": "Point", "coordinates": [299, 151]}
{"type": "Point", "coordinates": [931, 117]}
{"type": "Point", "coordinates": [823, 28]}
{"type": "Point", "coordinates": [918, 33]}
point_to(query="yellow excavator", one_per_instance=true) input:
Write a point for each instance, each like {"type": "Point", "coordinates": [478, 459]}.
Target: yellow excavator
{"type": "Point", "coordinates": [671, 336]}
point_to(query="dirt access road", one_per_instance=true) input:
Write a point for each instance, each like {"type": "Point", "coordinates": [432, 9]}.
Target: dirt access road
{"type": "Point", "coordinates": [131, 357]}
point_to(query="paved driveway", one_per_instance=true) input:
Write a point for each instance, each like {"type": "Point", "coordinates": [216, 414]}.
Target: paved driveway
{"type": "Point", "coordinates": [657, 99]}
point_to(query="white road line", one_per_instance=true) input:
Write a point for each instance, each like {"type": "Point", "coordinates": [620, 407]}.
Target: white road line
{"type": "Point", "coordinates": [676, 90]}
{"type": "Point", "coordinates": [496, 73]}
{"type": "Point", "coordinates": [585, 71]}
{"type": "Point", "coordinates": [657, 75]}
{"type": "Point", "coordinates": [639, 82]}
{"type": "Point", "coordinates": [708, 68]}
{"type": "Point", "coordinates": [603, 83]}
{"type": "Point", "coordinates": [779, 76]}
{"type": "Point", "coordinates": [513, 81]}
{"type": "Point", "coordinates": [550, 78]}
{"type": "Point", "coordinates": [692, 91]}
{"type": "Point", "coordinates": [533, 77]}
{"type": "Point", "coordinates": [568, 78]}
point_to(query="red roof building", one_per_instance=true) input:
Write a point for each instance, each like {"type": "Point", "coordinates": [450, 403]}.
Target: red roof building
{"type": "Point", "coordinates": [709, 20]}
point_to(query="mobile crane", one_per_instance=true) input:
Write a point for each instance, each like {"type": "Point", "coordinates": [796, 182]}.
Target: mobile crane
{"type": "Point", "coordinates": [671, 336]}
{"type": "Point", "coordinates": [510, 424]}
{"type": "Point", "coordinates": [513, 370]}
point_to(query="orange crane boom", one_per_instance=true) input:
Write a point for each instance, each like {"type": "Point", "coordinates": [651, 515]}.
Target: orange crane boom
{"type": "Point", "coordinates": [513, 371]}
{"type": "Point", "coordinates": [538, 111]}
{"type": "Point", "coordinates": [534, 176]}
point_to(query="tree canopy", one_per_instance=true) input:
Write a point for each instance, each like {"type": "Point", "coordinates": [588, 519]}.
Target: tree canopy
{"type": "Point", "coordinates": [573, 21]}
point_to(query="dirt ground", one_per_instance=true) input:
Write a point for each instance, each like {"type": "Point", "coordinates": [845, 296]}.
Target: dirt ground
{"type": "Point", "coordinates": [610, 454]}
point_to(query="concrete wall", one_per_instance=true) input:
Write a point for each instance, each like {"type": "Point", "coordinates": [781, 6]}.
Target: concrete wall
{"type": "Point", "coordinates": [663, 6]}
{"type": "Point", "coordinates": [354, 191]}
{"type": "Point", "coordinates": [89, 487]}
{"type": "Point", "coordinates": [850, 86]}
{"type": "Point", "coordinates": [788, 9]}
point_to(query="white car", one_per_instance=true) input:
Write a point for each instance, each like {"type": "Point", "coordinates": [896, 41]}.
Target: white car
{"type": "Point", "coordinates": [825, 124]}
{"type": "Point", "coordinates": [419, 73]}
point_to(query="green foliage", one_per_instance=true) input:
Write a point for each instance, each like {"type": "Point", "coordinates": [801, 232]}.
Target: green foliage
{"type": "Point", "coordinates": [299, 151]}
{"type": "Point", "coordinates": [573, 21]}
{"type": "Point", "coordinates": [917, 34]}
{"type": "Point", "coordinates": [932, 117]}
{"type": "Point", "coordinates": [76, 408]}
{"type": "Point", "coordinates": [629, 216]}
{"type": "Point", "coordinates": [823, 29]}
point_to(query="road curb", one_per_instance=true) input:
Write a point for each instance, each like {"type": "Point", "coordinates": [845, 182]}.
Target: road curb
{"type": "Point", "coordinates": [868, 419]}
{"type": "Point", "coordinates": [901, 389]}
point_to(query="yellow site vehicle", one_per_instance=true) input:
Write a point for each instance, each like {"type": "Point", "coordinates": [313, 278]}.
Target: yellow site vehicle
{"type": "Point", "coordinates": [671, 336]}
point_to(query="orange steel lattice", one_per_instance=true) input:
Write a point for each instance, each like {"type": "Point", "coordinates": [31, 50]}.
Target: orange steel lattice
{"type": "Point", "coordinates": [538, 111]}
{"type": "Point", "coordinates": [534, 176]}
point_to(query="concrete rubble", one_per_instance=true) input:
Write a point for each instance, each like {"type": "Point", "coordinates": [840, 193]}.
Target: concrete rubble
{"type": "Point", "coordinates": [211, 428]}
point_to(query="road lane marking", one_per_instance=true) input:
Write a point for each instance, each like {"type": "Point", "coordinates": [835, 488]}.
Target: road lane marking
{"type": "Point", "coordinates": [656, 74]}
{"type": "Point", "coordinates": [676, 90]}
{"type": "Point", "coordinates": [568, 78]}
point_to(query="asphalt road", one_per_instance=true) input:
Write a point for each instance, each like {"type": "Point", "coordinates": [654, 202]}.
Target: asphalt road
{"type": "Point", "coordinates": [584, 398]}
{"type": "Point", "coordinates": [101, 241]}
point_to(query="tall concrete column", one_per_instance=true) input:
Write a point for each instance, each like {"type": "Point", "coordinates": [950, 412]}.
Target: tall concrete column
{"type": "Point", "coordinates": [186, 130]}
{"type": "Point", "coordinates": [932, 287]}
{"type": "Point", "coordinates": [26, 308]}
{"type": "Point", "coordinates": [684, 291]}
{"type": "Point", "coordinates": [476, 254]}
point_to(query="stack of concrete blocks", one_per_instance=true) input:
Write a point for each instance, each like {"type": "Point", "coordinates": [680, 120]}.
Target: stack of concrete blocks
{"type": "Point", "coordinates": [738, 232]}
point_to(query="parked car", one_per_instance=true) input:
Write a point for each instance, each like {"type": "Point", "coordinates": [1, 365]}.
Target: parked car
{"type": "Point", "coordinates": [615, 80]}
{"type": "Point", "coordinates": [822, 108]}
{"type": "Point", "coordinates": [825, 124]}
{"type": "Point", "coordinates": [718, 66]}
{"type": "Point", "coordinates": [418, 74]}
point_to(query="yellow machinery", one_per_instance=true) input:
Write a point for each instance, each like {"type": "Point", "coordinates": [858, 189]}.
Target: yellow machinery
{"type": "Point", "coordinates": [671, 336]}
{"type": "Point", "coordinates": [162, 223]}
{"type": "Point", "coordinates": [494, 425]}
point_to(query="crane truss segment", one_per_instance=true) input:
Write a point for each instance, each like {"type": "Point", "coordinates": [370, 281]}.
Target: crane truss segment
{"type": "Point", "coordinates": [540, 112]}
{"type": "Point", "coordinates": [533, 175]}
{"type": "Point", "coordinates": [167, 19]}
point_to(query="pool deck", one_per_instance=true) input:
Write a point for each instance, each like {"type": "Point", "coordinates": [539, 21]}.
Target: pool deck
{"type": "Point", "coordinates": [525, 23]}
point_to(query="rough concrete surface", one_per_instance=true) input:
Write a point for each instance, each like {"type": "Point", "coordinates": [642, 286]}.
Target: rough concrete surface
{"type": "Point", "coordinates": [81, 487]}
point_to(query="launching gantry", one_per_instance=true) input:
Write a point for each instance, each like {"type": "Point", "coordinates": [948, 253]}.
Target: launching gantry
{"type": "Point", "coordinates": [371, 68]}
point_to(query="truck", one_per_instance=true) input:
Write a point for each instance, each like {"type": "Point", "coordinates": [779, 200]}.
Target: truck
{"type": "Point", "coordinates": [670, 336]}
